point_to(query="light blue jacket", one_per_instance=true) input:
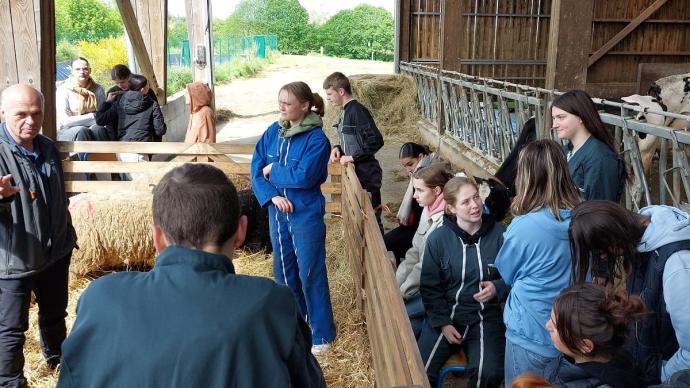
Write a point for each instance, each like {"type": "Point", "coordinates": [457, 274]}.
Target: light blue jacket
{"type": "Point", "coordinates": [535, 261]}
{"type": "Point", "coordinates": [670, 225]}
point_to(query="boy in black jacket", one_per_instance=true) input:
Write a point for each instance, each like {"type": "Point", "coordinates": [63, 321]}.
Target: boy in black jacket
{"type": "Point", "coordinates": [139, 117]}
{"type": "Point", "coordinates": [360, 139]}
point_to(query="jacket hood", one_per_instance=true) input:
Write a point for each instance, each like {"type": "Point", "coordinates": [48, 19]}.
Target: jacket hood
{"type": "Point", "coordinates": [619, 373]}
{"type": "Point", "coordinates": [310, 121]}
{"type": "Point", "coordinates": [199, 96]}
{"type": "Point", "coordinates": [668, 225]}
{"type": "Point", "coordinates": [135, 102]}
{"type": "Point", "coordinates": [487, 222]}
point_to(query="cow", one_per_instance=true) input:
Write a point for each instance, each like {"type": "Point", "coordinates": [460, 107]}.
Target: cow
{"type": "Point", "coordinates": [668, 94]}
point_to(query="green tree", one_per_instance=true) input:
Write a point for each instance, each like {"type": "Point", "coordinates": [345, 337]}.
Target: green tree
{"type": "Point", "coordinates": [356, 33]}
{"type": "Point", "coordinates": [177, 32]}
{"type": "Point", "coordinates": [285, 18]}
{"type": "Point", "coordinates": [86, 20]}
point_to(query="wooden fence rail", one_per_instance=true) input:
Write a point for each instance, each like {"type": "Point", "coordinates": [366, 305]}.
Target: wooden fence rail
{"type": "Point", "coordinates": [394, 351]}
{"type": "Point", "coordinates": [175, 154]}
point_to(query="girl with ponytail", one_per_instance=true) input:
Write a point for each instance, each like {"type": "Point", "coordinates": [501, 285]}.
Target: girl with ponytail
{"type": "Point", "coordinates": [589, 326]}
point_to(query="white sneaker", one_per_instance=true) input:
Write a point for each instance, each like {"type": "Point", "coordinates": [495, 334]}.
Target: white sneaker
{"type": "Point", "coordinates": [318, 350]}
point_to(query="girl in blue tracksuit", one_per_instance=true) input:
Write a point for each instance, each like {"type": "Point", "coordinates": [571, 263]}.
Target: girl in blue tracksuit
{"type": "Point", "coordinates": [535, 256]}
{"type": "Point", "coordinates": [288, 167]}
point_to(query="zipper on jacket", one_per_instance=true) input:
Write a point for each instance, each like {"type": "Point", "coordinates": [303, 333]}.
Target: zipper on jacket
{"type": "Point", "coordinates": [462, 281]}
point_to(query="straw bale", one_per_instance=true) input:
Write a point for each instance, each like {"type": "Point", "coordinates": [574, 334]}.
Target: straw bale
{"type": "Point", "coordinates": [391, 99]}
{"type": "Point", "coordinates": [146, 181]}
{"type": "Point", "coordinates": [346, 365]}
{"type": "Point", "coordinates": [113, 231]}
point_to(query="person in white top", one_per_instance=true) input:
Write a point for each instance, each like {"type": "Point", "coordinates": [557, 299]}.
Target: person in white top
{"type": "Point", "coordinates": [76, 102]}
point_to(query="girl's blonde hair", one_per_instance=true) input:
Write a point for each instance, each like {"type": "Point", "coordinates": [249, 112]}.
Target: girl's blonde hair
{"type": "Point", "coordinates": [543, 180]}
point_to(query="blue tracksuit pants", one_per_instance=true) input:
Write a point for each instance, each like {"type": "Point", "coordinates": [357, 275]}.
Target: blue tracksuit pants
{"type": "Point", "coordinates": [299, 261]}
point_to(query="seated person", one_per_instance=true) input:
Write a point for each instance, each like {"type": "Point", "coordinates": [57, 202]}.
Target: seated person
{"type": "Point", "coordinates": [462, 290]}
{"type": "Point", "coordinates": [202, 123]}
{"type": "Point", "coordinates": [190, 321]}
{"type": "Point", "coordinates": [589, 326]}
{"type": "Point", "coordinates": [428, 193]}
{"type": "Point", "coordinates": [106, 115]}
{"type": "Point", "coordinates": [412, 157]}
{"type": "Point", "coordinates": [76, 102]}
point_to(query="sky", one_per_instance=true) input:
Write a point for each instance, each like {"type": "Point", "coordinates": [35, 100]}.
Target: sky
{"type": "Point", "coordinates": [316, 8]}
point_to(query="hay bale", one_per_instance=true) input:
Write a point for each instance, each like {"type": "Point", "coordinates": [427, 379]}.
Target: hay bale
{"type": "Point", "coordinates": [391, 99]}
{"type": "Point", "coordinates": [113, 231]}
{"type": "Point", "coordinates": [146, 181]}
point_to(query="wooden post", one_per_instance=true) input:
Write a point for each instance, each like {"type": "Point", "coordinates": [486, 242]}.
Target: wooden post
{"type": "Point", "coordinates": [403, 42]}
{"type": "Point", "coordinates": [200, 41]}
{"type": "Point", "coordinates": [143, 59]}
{"type": "Point", "coordinates": [27, 51]}
{"type": "Point", "coordinates": [452, 25]}
{"type": "Point", "coordinates": [569, 44]}
{"type": "Point", "coordinates": [47, 66]}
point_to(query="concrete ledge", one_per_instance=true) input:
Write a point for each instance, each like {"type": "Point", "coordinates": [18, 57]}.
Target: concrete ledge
{"type": "Point", "coordinates": [460, 155]}
{"type": "Point", "coordinates": [176, 114]}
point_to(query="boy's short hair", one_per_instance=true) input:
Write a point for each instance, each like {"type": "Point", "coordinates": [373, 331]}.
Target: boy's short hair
{"type": "Point", "coordinates": [337, 81]}
{"type": "Point", "coordinates": [137, 82]}
{"type": "Point", "coordinates": [196, 205]}
{"type": "Point", "coordinates": [120, 72]}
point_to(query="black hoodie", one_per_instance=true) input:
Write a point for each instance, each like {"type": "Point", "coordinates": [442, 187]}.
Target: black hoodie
{"type": "Point", "coordinates": [454, 264]}
{"type": "Point", "coordinates": [139, 117]}
{"type": "Point", "coordinates": [617, 373]}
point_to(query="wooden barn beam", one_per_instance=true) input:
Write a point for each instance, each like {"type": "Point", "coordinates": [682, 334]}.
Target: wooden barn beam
{"type": "Point", "coordinates": [452, 25]}
{"type": "Point", "coordinates": [569, 44]}
{"type": "Point", "coordinates": [143, 59]}
{"type": "Point", "coordinates": [47, 66]}
{"type": "Point", "coordinates": [644, 15]}
{"type": "Point", "coordinates": [403, 42]}
{"type": "Point", "coordinates": [27, 51]}
{"type": "Point", "coordinates": [199, 18]}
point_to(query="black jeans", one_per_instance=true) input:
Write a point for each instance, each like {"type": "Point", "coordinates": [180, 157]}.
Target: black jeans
{"type": "Point", "coordinates": [50, 288]}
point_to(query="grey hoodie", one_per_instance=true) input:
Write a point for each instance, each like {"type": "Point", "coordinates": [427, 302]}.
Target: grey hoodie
{"type": "Point", "coordinates": [670, 225]}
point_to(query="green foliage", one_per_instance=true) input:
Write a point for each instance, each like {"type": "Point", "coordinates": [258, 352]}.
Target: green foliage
{"type": "Point", "coordinates": [177, 32]}
{"type": "Point", "coordinates": [285, 18]}
{"type": "Point", "coordinates": [65, 51]}
{"type": "Point", "coordinates": [86, 20]}
{"type": "Point", "coordinates": [355, 33]}
{"type": "Point", "coordinates": [103, 55]}
{"type": "Point", "coordinates": [178, 78]}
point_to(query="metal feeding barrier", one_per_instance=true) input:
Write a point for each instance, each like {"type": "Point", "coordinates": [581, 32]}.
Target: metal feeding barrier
{"type": "Point", "coordinates": [487, 116]}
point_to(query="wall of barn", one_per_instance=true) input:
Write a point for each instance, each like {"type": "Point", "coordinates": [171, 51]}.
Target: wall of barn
{"type": "Point", "coordinates": [508, 40]}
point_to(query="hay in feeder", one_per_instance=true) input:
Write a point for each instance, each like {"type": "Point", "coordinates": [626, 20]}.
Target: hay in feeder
{"type": "Point", "coordinates": [391, 99]}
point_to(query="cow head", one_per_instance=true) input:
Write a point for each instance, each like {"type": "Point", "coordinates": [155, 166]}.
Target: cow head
{"type": "Point", "coordinates": [672, 92]}
{"type": "Point", "coordinates": [648, 102]}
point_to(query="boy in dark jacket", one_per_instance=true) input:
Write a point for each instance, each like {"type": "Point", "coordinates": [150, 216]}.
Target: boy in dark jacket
{"type": "Point", "coordinates": [139, 117]}
{"type": "Point", "coordinates": [106, 115]}
{"type": "Point", "coordinates": [190, 321]}
{"type": "Point", "coordinates": [360, 139]}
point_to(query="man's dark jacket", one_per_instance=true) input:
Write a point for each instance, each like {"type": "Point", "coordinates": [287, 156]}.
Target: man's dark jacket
{"type": "Point", "coordinates": [35, 225]}
{"type": "Point", "coordinates": [189, 322]}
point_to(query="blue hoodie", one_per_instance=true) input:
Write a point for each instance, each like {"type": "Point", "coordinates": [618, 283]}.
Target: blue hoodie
{"type": "Point", "coordinates": [670, 225]}
{"type": "Point", "coordinates": [535, 261]}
